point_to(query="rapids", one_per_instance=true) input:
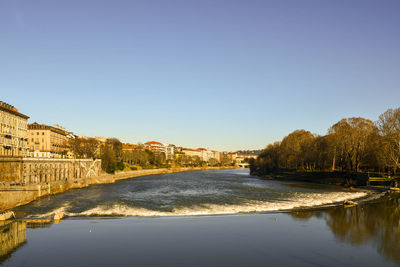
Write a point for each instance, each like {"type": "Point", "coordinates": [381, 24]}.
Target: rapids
{"type": "Point", "coordinates": [188, 193]}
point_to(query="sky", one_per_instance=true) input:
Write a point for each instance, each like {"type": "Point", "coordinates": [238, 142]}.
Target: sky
{"type": "Point", "coordinates": [220, 74]}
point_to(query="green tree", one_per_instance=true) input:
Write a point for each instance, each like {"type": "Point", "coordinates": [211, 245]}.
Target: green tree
{"type": "Point", "coordinates": [108, 158]}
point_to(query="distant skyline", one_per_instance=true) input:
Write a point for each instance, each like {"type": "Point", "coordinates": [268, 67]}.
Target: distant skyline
{"type": "Point", "coordinates": [225, 75]}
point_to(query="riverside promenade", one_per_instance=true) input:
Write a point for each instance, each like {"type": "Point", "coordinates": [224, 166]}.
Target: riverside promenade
{"type": "Point", "coordinates": [16, 195]}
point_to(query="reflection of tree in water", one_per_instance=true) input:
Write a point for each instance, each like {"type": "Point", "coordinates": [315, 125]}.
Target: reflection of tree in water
{"type": "Point", "coordinates": [377, 223]}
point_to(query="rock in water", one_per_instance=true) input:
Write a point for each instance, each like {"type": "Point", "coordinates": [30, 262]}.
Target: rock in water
{"type": "Point", "coordinates": [349, 203]}
{"type": "Point", "coordinates": [58, 216]}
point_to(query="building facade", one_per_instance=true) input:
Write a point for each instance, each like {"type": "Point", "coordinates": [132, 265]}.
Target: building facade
{"type": "Point", "coordinates": [47, 141]}
{"type": "Point", "coordinates": [130, 147]}
{"type": "Point", "coordinates": [13, 131]}
{"type": "Point", "coordinates": [155, 146]}
{"type": "Point", "coordinates": [192, 152]}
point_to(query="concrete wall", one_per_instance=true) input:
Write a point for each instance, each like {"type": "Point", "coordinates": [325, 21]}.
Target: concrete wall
{"type": "Point", "coordinates": [10, 169]}
{"type": "Point", "coordinates": [26, 171]}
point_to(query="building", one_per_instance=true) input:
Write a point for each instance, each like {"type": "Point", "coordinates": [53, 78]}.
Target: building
{"type": "Point", "coordinates": [192, 152]}
{"type": "Point", "coordinates": [170, 151]}
{"type": "Point", "coordinates": [202, 153]}
{"type": "Point", "coordinates": [130, 147]}
{"type": "Point", "coordinates": [216, 155]}
{"type": "Point", "coordinates": [155, 146]}
{"type": "Point", "coordinates": [47, 141]}
{"type": "Point", "coordinates": [232, 156]}
{"type": "Point", "coordinates": [13, 131]}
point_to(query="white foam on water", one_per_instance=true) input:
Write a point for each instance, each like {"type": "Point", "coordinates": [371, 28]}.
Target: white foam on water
{"type": "Point", "coordinates": [63, 209]}
{"type": "Point", "coordinates": [300, 201]}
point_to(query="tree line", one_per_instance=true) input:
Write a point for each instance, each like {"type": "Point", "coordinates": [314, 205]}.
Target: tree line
{"type": "Point", "coordinates": [110, 152]}
{"type": "Point", "coordinates": [114, 158]}
{"type": "Point", "coordinates": [351, 145]}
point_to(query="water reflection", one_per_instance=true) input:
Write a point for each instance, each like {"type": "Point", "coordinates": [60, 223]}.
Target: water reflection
{"type": "Point", "coordinates": [376, 224]}
{"type": "Point", "coordinates": [12, 237]}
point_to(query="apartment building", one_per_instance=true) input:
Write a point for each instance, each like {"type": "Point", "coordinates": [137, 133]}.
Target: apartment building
{"type": "Point", "coordinates": [192, 152]}
{"type": "Point", "coordinates": [13, 131]}
{"type": "Point", "coordinates": [46, 141]}
{"type": "Point", "coordinates": [155, 146]}
{"type": "Point", "coordinates": [130, 147]}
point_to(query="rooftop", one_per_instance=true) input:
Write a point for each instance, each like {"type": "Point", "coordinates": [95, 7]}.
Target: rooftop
{"type": "Point", "coordinates": [37, 126]}
{"type": "Point", "coordinates": [153, 143]}
{"type": "Point", "coordinates": [9, 108]}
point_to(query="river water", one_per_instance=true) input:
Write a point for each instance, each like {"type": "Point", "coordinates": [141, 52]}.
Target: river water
{"type": "Point", "coordinates": [188, 193]}
{"type": "Point", "coordinates": [99, 233]}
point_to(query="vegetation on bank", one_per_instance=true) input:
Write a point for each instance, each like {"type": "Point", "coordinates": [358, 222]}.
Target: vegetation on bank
{"type": "Point", "coordinates": [109, 151]}
{"type": "Point", "coordinates": [114, 158]}
{"type": "Point", "coordinates": [146, 159]}
{"type": "Point", "coordinates": [352, 145]}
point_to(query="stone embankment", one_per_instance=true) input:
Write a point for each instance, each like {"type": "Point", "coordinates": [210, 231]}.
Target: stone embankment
{"type": "Point", "coordinates": [17, 195]}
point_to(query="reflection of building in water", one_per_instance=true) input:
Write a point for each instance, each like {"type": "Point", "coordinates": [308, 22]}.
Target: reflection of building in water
{"type": "Point", "coordinates": [12, 236]}
{"type": "Point", "coordinates": [33, 224]}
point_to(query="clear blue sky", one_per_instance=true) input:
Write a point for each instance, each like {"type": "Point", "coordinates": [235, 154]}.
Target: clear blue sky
{"type": "Point", "coordinates": [208, 73]}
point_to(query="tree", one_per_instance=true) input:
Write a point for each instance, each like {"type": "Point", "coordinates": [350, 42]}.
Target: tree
{"type": "Point", "coordinates": [213, 162]}
{"type": "Point", "coordinates": [296, 150]}
{"type": "Point", "coordinates": [389, 128]}
{"type": "Point", "coordinates": [116, 146]}
{"type": "Point", "coordinates": [268, 160]}
{"type": "Point", "coordinates": [108, 158]}
{"type": "Point", "coordinates": [111, 155]}
{"type": "Point", "coordinates": [226, 160]}
{"type": "Point", "coordinates": [84, 147]}
{"type": "Point", "coordinates": [350, 137]}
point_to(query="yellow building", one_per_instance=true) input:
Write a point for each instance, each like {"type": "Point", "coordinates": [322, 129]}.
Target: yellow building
{"type": "Point", "coordinates": [13, 131]}
{"type": "Point", "coordinates": [47, 141]}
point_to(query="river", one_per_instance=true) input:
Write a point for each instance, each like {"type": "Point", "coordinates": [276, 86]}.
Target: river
{"type": "Point", "coordinates": [241, 223]}
{"type": "Point", "coordinates": [187, 193]}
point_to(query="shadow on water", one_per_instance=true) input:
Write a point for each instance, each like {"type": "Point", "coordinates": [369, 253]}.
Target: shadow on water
{"type": "Point", "coordinates": [376, 223]}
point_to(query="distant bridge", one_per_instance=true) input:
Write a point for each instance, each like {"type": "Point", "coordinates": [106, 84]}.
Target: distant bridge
{"type": "Point", "coordinates": [244, 165]}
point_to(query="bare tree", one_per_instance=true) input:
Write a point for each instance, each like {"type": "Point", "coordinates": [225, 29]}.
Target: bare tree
{"type": "Point", "coordinates": [351, 137]}
{"type": "Point", "coordinates": [84, 147]}
{"type": "Point", "coordinates": [389, 128]}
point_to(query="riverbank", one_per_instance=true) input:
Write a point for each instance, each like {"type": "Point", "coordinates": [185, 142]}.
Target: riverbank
{"type": "Point", "coordinates": [320, 177]}
{"type": "Point", "coordinates": [13, 196]}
